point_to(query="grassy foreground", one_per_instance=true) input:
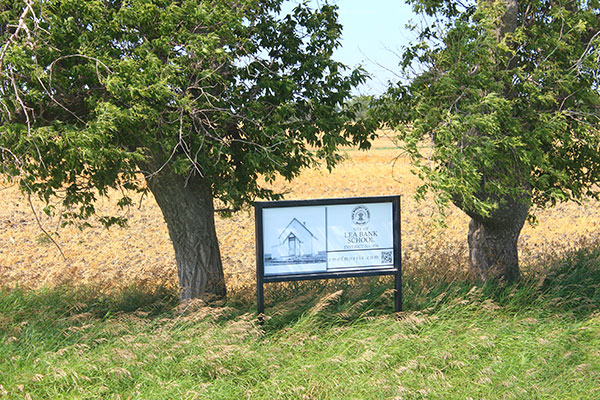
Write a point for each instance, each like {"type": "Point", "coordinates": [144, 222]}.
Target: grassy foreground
{"type": "Point", "coordinates": [538, 339]}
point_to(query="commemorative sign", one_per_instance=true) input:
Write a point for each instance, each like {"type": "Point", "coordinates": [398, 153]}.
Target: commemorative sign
{"type": "Point", "coordinates": [329, 238]}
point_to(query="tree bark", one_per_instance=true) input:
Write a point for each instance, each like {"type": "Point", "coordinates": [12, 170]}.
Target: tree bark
{"type": "Point", "coordinates": [493, 239]}
{"type": "Point", "coordinates": [187, 206]}
{"type": "Point", "coordinates": [493, 242]}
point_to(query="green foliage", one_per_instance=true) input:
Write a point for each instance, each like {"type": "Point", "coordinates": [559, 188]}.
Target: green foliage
{"type": "Point", "coordinates": [361, 105]}
{"type": "Point", "coordinates": [91, 90]}
{"type": "Point", "coordinates": [510, 102]}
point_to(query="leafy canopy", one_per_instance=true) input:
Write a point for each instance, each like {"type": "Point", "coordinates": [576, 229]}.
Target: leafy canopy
{"type": "Point", "coordinates": [227, 89]}
{"type": "Point", "coordinates": [509, 102]}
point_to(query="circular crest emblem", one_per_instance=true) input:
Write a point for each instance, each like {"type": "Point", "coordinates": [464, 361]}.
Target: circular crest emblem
{"type": "Point", "coordinates": [360, 215]}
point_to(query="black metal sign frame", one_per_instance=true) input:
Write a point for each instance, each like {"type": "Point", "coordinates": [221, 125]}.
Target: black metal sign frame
{"type": "Point", "coordinates": [396, 270]}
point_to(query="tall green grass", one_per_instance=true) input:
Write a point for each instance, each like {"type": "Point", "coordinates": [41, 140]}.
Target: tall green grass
{"type": "Point", "coordinates": [536, 339]}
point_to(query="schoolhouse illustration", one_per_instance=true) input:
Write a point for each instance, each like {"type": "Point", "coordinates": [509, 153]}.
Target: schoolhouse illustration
{"type": "Point", "coordinates": [295, 241]}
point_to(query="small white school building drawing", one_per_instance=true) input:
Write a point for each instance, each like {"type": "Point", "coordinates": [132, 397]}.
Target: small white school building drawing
{"type": "Point", "coordinates": [295, 241]}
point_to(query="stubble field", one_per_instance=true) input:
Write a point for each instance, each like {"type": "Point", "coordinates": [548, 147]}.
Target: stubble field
{"type": "Point", "coordinates": [142, 252]}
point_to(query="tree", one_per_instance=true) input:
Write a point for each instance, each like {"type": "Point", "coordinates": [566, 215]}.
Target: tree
{"type": "Point", "coordinates": [205, 98]}
{"type": "Point", "coordinates": [506, 92]}
{"type": "Point", "coordinates": [360, 104]}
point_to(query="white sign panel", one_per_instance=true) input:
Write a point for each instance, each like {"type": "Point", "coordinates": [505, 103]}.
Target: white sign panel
{"type": "Point", "coordinates": [328, 238]}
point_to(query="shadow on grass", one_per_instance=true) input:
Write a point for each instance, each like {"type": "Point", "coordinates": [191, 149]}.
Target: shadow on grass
{"type": "Point", "coordinates": [57, 305]}
{"type": "Point", "coordinates": [569, 285]}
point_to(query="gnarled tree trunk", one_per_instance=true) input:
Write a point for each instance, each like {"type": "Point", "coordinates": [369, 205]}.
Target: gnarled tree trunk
{"type": "Point", "coordinates": [187, 206]}
{"type": "Point", "coordinates": [493, 242]}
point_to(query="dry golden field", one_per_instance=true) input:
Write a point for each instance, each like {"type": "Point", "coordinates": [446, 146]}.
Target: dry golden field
{"type": "Point", "coordinates": [142, 253]}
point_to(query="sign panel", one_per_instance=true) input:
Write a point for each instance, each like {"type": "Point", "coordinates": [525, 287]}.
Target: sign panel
{"type": "Point", "coordinates": [329, 238]}
{"type": "Point", "coordinates": [320, 239]}
{"type": "Point", "coordinates": [294, 240]}
{"type": "Point", "coordinates": [360, 236]}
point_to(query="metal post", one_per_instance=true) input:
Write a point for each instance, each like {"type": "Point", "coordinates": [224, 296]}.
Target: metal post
{"type": "Point", "coordinates": [260, 299]}
{"type": "Point", "coordinates": [398, 291]}
{"type": "Point", "coordinates": [260, 268]}
{"type": "Point", "coordinates": [398, 255]}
